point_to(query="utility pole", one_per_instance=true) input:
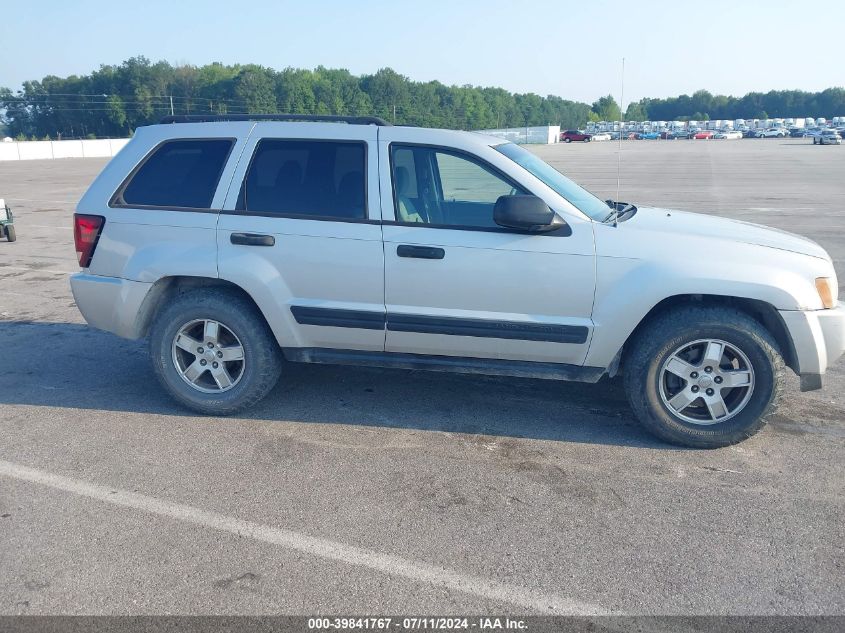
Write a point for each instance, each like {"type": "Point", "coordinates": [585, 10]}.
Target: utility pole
{"type": "Point", "coordinates": [171, 105]}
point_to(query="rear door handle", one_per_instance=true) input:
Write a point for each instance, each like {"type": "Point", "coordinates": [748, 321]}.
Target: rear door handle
{"type": "Point", "coordinates": [252, 239]}
{"type": "Point", "coordinates": [420, 252]}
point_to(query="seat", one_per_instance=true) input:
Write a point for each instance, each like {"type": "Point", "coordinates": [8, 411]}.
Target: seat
{"type": "Point", "coordinates": [350, 195]}
{"type": "Point", "coordinates": [288, 187]}
{"type": "Point", "coordinates": [407, 210]}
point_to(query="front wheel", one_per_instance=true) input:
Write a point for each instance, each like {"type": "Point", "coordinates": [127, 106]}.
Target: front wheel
{"type": "Point", "coordinates": [213, 352]}
{"type": "Point", "coordinates": [704, 377]}
{"type": "Point", "coordinates": [10, 233]}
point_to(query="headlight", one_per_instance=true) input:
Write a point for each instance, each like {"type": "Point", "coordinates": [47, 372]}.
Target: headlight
{"type": "Point", "coordinates": [827, 293]}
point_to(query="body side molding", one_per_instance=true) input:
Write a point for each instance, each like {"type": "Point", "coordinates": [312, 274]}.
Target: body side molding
{"type": "Point", "coordinates": [451, 326]}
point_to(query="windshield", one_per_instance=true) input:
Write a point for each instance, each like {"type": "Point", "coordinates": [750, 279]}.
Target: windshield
{"type": "Point", "coordinates": [579, 197]}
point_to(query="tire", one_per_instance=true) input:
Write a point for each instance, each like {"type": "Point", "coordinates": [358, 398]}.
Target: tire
{"type": "Point", "coordinates": [239, 323]}
{"type": "Point", "coordinates": [645, 373]}
{"type": "Point", "coordinates": [10, 233]}
{"type": "Point", "coordinates": [567, 140]}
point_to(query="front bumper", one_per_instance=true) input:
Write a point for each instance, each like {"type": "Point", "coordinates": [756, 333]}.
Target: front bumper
{"type": "Point", "coordinates": [819, 340]}
{"type": "Point", "coordinates": [110, 303]}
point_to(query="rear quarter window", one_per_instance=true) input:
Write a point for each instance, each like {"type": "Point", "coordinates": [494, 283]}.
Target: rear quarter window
{"type": "Point", "coordinates": [177, 174]}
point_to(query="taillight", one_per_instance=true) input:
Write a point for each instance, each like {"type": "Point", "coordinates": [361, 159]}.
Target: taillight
{"type": "Point", "coordinates": [86, 232]}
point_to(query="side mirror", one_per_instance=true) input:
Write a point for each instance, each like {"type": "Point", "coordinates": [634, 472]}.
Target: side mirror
{"type": "Point", "coordinates": [526, 213]}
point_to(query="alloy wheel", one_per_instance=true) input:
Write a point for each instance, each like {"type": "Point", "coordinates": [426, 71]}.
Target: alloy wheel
{"type": "Point", "coordinates": [706, 382]}
{"type": "Point", "coordinates": [208, 356]}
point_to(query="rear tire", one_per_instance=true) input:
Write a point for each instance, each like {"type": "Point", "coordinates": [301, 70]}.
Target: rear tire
{"type": "Point", "coordinates": [567, 140]}
{"type": "Point", "coordinates": [648, 382]}
{"type": "Point", "coordinates": [10, 233]}
{"type": "Point", "coordinates": [240, 326]}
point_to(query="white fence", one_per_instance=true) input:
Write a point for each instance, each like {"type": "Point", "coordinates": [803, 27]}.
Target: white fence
{"type": "Point", "coordinates": [40, 150]}
{"type": "Point", "coordinates": [544, 134]}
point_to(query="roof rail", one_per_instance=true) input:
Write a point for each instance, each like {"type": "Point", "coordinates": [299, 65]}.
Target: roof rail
{"type": "Point", "coordinates": [207, 118]}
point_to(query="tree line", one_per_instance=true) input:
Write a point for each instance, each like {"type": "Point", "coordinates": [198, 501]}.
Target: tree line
{"type": "Point", "coordinates": [702, 105]}
{"type": "Point", "coordinates": [115, 99]}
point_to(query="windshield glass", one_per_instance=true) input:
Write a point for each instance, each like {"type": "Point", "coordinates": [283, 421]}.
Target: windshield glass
{"type": "Point", "coordinates": [579, 197]}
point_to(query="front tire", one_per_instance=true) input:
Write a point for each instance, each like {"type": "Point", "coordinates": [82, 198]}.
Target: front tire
{"type": "Point", "coordinates": [10, 233]}
{"type": "Point", "coordinates": [213, 352]}
{"type": "Point", "coordinates": [704, 377]}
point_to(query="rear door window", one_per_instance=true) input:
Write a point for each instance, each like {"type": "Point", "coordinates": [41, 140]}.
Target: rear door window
{"type": "Point", "coordinates": [312, 179]}
{"type": "Point", "coordinates": [178, 174]}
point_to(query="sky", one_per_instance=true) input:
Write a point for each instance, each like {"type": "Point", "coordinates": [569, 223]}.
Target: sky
{"type": "Point", "coordinates": [570, 49]}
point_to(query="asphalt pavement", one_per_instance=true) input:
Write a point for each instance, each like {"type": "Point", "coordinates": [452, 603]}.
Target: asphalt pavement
{"type": "Point", "coordinates": [357, 490]}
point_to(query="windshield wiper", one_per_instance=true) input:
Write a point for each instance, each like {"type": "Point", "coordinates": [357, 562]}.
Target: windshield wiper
{"type": "Point", "coordinates": [621, 211]}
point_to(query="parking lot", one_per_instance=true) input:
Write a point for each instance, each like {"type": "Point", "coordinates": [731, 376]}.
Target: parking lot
{"type": "Point", "coordinates": [355, 490]}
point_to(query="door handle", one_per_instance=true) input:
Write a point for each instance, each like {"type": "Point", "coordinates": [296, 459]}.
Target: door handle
{"type": "Point", "coordinates": [420, 252]}
{"type": "Point", "coordinates": [252, 239]}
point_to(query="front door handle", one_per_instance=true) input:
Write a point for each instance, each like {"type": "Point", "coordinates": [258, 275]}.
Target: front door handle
{"type": "Point", "coordinates": [252, 239]}
{"type": "Point", "coordinates": [420, 252]}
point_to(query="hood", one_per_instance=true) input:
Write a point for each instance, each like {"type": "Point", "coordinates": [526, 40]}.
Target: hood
{"type": "Point", "coordinates": [700, 225]}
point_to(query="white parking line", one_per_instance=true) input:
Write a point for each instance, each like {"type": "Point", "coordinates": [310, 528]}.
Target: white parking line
{"type": "Point", "coordinates": [13, 199]}
{"type": "Point", "coordinates": [323, 548]}
{"type": "Point", "coordinates": [37, 270]}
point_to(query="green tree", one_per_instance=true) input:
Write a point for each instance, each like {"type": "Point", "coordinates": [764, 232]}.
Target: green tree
{"type": "Point", "coordinates": [116, 112]}
{"type": "Point", "coordinates": [254, 90]}
{"type": "Point", "coordinates": [636, 112]}
{"type": "Point", "coordinates": [607, 109]}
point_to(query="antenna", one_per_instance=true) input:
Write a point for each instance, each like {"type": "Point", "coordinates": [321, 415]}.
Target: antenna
{"type": "Point", "coordinates": [621, 129]}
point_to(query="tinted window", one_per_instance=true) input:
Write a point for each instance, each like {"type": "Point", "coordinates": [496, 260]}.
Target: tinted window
{"type": "Point", "coordinates": [311, 178]}
{"type": "Point", "coordinates": [440, 187]}
{"type": "Point", "coordinates": [178, 174]}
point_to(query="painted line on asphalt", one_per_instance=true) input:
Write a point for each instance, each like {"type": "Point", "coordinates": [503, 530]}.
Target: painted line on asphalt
{"type": "Point", "coordinates": [322, 548]}
{"type": "Point", "coordinates": [70, 202]}
{"type": "Point", "coordinates": [37, 270]}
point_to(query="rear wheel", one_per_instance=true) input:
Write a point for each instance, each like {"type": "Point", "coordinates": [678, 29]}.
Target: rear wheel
{"type": "Point", "coordinates": [213, 352]}
{"type": "Point", "coordinates": [567, 140]}
{"type": "Point", "coordinates": [10, 233]}
{"type": "Point", "coordinates": [704, 377]}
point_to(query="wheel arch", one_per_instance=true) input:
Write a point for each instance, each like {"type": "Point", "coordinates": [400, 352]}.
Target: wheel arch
{"type": "Point", "coordinates": [167, 288]}
{"type": "Point", "coordinates": [762, 312]}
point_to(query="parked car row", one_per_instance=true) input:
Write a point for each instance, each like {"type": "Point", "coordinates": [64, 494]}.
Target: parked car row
{"type": "Point", "coordinates": [820, 136]}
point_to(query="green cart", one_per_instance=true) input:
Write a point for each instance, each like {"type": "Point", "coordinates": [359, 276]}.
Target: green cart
{"type": "Point", "coordinates": [7, 222]}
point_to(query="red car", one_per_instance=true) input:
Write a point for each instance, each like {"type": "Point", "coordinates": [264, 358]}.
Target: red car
{"type": "Point", "coordinates": [575, 135]}
{"type": "Point", "coordinates": [704, 134]}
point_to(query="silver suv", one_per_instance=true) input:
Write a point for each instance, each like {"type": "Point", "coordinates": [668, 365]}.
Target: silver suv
{"type": "Point", "coordinates": [235, 243]}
